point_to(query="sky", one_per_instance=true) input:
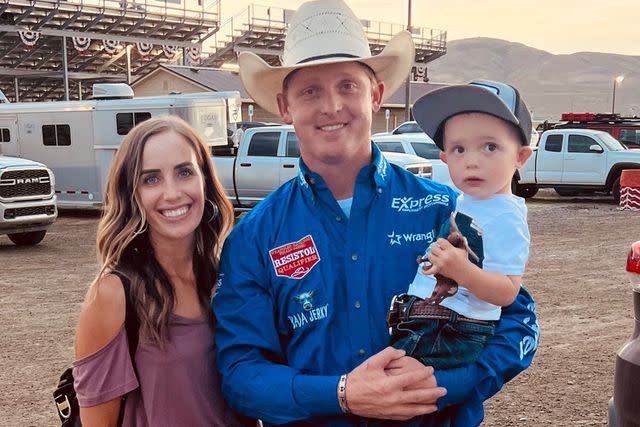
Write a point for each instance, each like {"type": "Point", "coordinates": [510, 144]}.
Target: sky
{"type": "Point", "coordinates": [556, 26]}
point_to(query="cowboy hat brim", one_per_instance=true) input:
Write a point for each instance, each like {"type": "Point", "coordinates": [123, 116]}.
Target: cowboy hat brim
{"type": "Point", "coordinates": [263, 82]}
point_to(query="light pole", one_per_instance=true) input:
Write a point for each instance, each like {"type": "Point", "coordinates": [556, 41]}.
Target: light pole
{"type": "Point", "coordinates": [616, 81]}
{"type": "Point", "coordinates": [407, 94]}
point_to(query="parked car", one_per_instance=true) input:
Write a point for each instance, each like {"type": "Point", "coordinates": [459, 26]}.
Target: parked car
{"type": "Point", "coordinates": [27, 200]}
{"type": "Point", "coordinates": [268, 157]}
{"type": "Point", "coordinates": [576, 160]}
{"type": "Point", "coordinates": [406, 127]}
{"type": "Point", "coordinates": [248, 125]}
{"type": "Point", "coordinates": [417, 144]}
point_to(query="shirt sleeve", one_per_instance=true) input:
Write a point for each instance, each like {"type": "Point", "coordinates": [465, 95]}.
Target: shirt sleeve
{"type": "Point", "coordinates": [255, 379]}
{"type": "Point", "coordinates": [507, 353]}
{"type": "Point", "coordinates": [506, 245]}
{"type": "Point", "coordinates": [106, 374]}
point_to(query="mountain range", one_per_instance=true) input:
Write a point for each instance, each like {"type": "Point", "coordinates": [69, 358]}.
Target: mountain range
{"type": "Point", "coordinates": [550, 84]}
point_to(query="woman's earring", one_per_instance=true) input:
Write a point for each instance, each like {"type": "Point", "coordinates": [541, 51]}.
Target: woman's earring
{"type": "Point", "coordinates": [214, 210]}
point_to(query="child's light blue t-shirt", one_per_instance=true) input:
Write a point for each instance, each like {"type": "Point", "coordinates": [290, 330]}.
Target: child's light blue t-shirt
{"type": "Point", "coordinates": [502, 223]}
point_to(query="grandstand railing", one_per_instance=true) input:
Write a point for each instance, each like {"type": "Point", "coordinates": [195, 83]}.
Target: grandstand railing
{"type": "Point", "coordinates": [207, 10]}
{"type": "Point", "coordinates": [273, 19]}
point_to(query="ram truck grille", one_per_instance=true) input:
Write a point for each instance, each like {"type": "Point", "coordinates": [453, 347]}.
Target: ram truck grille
{"type": "Point", "coordinates": [421, 170]}
{"type": "Point", "coordinates": [35, 210]}
{"type": "Point", "coordinates": [16, 184]}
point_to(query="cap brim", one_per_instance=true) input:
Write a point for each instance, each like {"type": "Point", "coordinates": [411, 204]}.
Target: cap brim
{"type": "Point", "coordinates": [263, 82]}
{"type": "Point", "coordinates": [434, 108]}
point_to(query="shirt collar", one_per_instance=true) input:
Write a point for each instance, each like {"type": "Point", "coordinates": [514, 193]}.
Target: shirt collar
{"type": "Point", "coordinates": [309, 180]}
{"type": "Point", "coordinates": [381, 175]}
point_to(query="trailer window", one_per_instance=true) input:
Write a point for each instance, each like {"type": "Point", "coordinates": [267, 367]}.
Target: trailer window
{"type": "Point", "coordinates": [554, 143]}
{"type": "Point", "coordinates": [264, 144]}
{"type": "Point", "coordinates": [126, 121]}
{"type": "Point", "coordinates": [5, 135]}
{"type": "Point", "coordinates": [56, 135]}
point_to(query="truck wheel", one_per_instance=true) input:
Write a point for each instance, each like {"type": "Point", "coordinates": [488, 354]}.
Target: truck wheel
{"type": "Point", "coordinates": [28, 239]}
{"type": "Point", "coordinates": [527, 190]}
{"type": "Point", "coordinates": [615, 190]}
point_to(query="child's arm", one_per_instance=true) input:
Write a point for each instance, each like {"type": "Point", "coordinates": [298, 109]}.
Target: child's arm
{"type": "Point", "coordinates": [492, 287]}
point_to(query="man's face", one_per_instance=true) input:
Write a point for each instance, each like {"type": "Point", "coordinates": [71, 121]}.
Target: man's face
{"type": "Point", "coordinates": [482, 152]}
{"type": "Point", "coordinates": [331, 107]}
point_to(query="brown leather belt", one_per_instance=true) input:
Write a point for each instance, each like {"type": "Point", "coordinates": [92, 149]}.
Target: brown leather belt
{"type": "Point", "coordinates": [406, 307]}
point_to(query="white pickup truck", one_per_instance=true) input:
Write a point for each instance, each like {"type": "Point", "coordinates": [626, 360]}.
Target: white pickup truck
{"type": "Point", "coordinates": [418, 144]}
{"type": "Point", "coordinates": [27, 200]}
{"type": "Point", "coordinates": [573, 161]}
{"type": "Point", "coordinates": [268, 157]}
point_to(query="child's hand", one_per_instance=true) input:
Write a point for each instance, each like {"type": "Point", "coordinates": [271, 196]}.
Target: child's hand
{"type": "Point", "coordinates": [447, 260]}
{"type": "Point", "coordinates": [635, 247]}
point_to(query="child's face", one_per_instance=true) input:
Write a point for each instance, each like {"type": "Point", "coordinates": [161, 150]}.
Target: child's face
{"type": "Point", "coordinates": [482, 152]}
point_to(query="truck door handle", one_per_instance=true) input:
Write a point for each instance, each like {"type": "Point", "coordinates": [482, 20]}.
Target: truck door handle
{"type": "Point", "coordinates": [288, 166]}
{"type": "Point", "coordinates": [244, 165]}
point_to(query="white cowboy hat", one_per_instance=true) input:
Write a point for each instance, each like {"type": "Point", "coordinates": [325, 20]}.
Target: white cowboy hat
{"type": "Point", "coordinates": [325, 32]}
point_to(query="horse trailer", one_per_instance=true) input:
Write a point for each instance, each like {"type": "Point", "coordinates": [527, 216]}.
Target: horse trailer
{"type": "Point", "coordinates": [77, 139]}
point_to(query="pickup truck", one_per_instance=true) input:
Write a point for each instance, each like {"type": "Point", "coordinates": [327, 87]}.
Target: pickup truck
{"type": "Point", "coordinates": [417, 144]}
{"type": "Point", "coordinates": [27, 200]}
{"type": "Point", "coordinates": [573, 161]}
{"type": "Point", "coordinates": [268, 157]}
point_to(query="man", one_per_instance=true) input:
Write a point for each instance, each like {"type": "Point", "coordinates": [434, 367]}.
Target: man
{"type": "Point", "coordinates": [307, 276]}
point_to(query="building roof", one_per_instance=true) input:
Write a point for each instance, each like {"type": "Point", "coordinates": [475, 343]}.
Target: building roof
{"type": "Point", "coordinates": [222, 80]}
{"type": "Point", "coordinates": [213, 79]}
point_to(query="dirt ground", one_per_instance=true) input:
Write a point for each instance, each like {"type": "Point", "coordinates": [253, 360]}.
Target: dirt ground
{"type": "Point", "coordinates": [575, 273]}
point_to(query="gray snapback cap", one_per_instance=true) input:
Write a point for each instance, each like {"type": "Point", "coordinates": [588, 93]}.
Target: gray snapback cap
{"type": "Point", "coordinates": [480, 96]}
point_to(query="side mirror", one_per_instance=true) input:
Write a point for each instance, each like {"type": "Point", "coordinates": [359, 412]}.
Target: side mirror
{"type": "Point", "coordinates": [595, 148]}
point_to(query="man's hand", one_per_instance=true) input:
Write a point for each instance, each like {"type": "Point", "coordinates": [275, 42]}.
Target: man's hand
{"type": "Point", "coordinates": [409, 364]}
{"type": "Point", "coordinates": [402, 391]}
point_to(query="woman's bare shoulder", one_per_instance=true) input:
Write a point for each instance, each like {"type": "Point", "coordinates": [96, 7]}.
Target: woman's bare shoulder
{"type": "Point", "coordinates": [102, 315]}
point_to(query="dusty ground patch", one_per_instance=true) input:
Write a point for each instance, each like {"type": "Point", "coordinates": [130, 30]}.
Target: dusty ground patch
{"type": "Point", "coordinates": [575, 274]}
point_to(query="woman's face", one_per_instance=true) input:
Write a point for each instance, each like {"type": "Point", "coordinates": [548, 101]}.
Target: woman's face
{"type": "Point", "coordinates": [171, 188]}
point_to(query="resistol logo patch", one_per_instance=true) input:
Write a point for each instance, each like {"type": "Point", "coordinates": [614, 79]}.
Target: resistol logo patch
{"type": "Point", "coordinates": [295, 260]}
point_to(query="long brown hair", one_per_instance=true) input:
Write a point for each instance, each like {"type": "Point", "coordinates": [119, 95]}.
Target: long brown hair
{"type": "Point", "coordinates": [123, 239]}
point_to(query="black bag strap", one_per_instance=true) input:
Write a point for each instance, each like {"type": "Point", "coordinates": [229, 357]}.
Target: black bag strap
{"type": "Point", "coordinates": [131, 323]}
{"type": "Point", "coordinates": [64, 395]}
{"type": "Point", "coordinates": [131, 327]}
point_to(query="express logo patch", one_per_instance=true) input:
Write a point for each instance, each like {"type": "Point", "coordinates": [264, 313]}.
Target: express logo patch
{"type": "Point", "coordinates": [295, 260]}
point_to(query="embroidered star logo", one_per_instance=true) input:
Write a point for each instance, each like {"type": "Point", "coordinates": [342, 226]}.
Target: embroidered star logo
{"type": "Point", "coordinates": [394, 238]}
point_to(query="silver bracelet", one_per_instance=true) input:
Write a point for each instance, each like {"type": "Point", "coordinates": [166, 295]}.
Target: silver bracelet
{"type": "Point", "coordinates": [342, 394]}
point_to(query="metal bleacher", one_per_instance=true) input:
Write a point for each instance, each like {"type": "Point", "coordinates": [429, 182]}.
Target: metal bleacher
{"type": "Point", "coordinates": [262, 29]}
{"type": "Point", "coordinates": [37, 72]}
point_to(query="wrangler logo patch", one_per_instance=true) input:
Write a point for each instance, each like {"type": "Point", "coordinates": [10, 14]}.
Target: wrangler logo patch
{"type": "Point", "coordinates": [295, 260]}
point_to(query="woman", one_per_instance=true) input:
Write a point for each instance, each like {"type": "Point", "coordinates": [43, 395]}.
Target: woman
{"type": "Point", "coordinates": [165, 218]}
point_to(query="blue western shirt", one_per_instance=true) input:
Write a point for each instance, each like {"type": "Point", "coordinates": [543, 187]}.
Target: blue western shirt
{"type": "Point", "coordinates": [303, 295]}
